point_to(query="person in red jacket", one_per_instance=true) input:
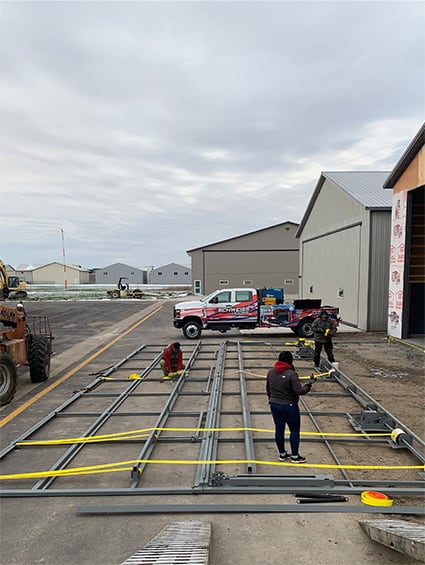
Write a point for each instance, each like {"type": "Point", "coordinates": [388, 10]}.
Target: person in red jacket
{"type": "Point", "coordinates": [283, 390]}
{"type": "Point", "coordinates": [172, 359]}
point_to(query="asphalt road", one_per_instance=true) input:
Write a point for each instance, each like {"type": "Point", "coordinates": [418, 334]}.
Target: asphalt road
{"type": "Point", "coordinates": [92, 336]}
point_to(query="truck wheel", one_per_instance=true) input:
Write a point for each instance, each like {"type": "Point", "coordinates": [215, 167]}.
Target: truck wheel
{"type": "Point", "coordinates": [115, 294]}
{"type": "Point", "coordinates": [192, 330]}
{"type": "Point", "coordinates": [304, 328]}
{"type": "Point", "coordinates": [39, 359]}
{"type": "Point", "coordinates": [8, 378]}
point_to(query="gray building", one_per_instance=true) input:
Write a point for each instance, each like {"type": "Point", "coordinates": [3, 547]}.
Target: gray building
{"type": "Point", "coordinates": [111, 273]}
{"type": "Point", "coordinates": [344, 246]}
{"type": "Point", "coordinates": [172, 273]}
{"type": "Point", "coordinates": [266, 257]}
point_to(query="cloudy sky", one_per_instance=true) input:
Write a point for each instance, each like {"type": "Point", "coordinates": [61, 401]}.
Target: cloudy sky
{"type": "Point", "coordinates": [144, 129]}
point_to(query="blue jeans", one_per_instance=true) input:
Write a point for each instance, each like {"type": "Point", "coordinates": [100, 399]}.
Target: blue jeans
{"type": "Point", "coordinates": [286, 414]}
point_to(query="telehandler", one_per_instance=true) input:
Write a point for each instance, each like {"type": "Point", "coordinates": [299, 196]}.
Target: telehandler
{"type": "Point", "coordinates": [22, 342]}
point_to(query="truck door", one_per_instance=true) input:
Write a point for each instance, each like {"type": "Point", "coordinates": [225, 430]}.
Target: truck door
{"type": "Point", "coordinates": [215, 309]}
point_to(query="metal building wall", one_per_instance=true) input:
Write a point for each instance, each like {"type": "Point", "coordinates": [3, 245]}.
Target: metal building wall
{"type": "Point", "coordinates": [111, 273]}
{"type": "Point", "coordinates": [331, 267]}
{"type": "Point", "coordinates": [380, 239]}
{"type": "Point", "coordinates": [252, 269]}
{"type": "Point", "coordinates": [333, 256]}
{"type": "Point", "coordinates": [266, 257]}
{"type": "Point", "coordinates": [171, 274]}
{"type": "Point", "coordinates": [54, 274]}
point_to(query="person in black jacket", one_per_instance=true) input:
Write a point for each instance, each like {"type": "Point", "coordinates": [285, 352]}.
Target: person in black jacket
{"type": "Point", "coordinates": [324, 328]}
{"type": "Point", "coordinates": [283, 390]}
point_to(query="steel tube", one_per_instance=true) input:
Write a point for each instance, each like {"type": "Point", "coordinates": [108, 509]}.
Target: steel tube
{"type": "Point", "coordinates": [246, 416]}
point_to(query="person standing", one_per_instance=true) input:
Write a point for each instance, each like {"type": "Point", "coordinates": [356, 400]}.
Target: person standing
{"type": "Point", "coordinates": [324, 328]}
{"type": "Point", "coordinates": [172, 359]}
{"type": "Point", "coordinates": [283, 390]}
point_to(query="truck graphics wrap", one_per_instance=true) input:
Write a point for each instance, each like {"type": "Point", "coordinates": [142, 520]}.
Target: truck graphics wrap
{"type": "Point", "coordinates": [242, 308]}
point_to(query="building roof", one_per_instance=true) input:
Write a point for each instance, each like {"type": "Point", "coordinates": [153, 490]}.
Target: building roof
{"type": "Point", "coordinates": [171, 265]}
{"type": "Point", "coordinates": [363, 186]}
{"type": "Point", "coordinates": [409, 154]}
{"type": "Point", "coordinates": [238, 236]}
{"type": "Point", "coordinates": [36, 267]}
{"type": "Point", "coordinates": [118, 265]}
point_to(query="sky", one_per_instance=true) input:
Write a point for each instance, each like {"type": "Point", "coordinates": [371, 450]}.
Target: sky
{"type": "Point", "coordinates": [144, 129]}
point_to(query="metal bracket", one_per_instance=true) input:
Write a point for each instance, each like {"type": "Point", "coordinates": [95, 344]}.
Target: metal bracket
{"type": "Point", "coordinates": [284, 481]}
{"type": "Point", "coordinates": [371, 421]}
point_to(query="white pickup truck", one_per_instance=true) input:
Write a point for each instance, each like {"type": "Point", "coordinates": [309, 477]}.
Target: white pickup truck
{"type": "Point", "coordinates": [246, 308]}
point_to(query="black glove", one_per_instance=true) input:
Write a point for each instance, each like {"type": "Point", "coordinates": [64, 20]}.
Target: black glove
{"type": "Point", "coordinates": [308, 385]}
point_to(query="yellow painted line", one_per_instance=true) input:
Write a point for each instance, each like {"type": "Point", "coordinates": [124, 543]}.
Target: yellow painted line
{"type": "Point", "coordinates": [66, 376]}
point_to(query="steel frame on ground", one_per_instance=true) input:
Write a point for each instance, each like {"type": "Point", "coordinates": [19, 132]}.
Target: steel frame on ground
{"type": "Point", "coordinates": [207, 480]}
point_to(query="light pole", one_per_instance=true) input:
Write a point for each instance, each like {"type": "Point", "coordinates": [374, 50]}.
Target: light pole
{"type": "Point", "coordinates": [64, 260]}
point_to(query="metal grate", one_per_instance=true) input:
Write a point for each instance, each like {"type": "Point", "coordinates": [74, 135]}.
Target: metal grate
{"type": "Point", "coordinates": [180, 543]}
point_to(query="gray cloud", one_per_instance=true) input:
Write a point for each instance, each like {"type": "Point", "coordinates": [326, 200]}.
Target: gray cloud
{"type": "Point", "coordinates": [145, 129]}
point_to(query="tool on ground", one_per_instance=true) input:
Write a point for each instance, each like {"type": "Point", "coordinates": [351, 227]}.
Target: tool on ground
{"type": "Point", "coordinates": [373, 498]}
{"type": "Point", "coordinates": [173, 375]}
{"type": "Point", "coordinates": [134, 377]}
{"type": "Point", "coordinates": [321, 499]}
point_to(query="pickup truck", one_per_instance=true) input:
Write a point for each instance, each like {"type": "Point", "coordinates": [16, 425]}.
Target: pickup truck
{"type": "Point", "coordinates": [247, 308]}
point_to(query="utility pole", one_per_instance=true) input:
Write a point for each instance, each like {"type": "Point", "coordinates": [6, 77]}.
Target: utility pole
{"type": "Point", "coordinates": [64, 260]}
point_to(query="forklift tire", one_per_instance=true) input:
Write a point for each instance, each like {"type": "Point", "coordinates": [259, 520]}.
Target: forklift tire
{"type": "Point", "coordinates": [192, 330]}
{"type": "Point", "coordinates": [8, 378]}
{"type": "Point", "coordinates": [304, 328]}
{"type": "Point", "coordinates": [115, 294]}
{"type": "Point", "coordinates": [39, 359]}
{"type": "Point", "coordinates": [138, 293]}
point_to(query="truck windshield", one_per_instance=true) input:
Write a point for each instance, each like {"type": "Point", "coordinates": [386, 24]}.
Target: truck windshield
{"type": "Point", "coordinates": [207, 298]}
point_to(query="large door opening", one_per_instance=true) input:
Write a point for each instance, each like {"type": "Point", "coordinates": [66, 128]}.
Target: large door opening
{"type": "Point", "coordinates": [416, 292]}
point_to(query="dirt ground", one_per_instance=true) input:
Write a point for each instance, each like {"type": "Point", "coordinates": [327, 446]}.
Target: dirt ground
{"type": "Point", "coordinates": [393, 374]}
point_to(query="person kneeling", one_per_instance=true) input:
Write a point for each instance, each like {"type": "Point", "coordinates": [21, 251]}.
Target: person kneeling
{"type": "Point", "coordinates": [172, 359]}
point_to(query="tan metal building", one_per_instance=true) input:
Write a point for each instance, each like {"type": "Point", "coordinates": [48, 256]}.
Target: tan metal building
{"type": "Point", "coordinates": [344, 246]}
{"type": "Point", "coordinates": [406, 298]}
{"type": "Point", "coordinates": [53, 273]}
{"type": "Point", "coordinates": [268, 257]}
